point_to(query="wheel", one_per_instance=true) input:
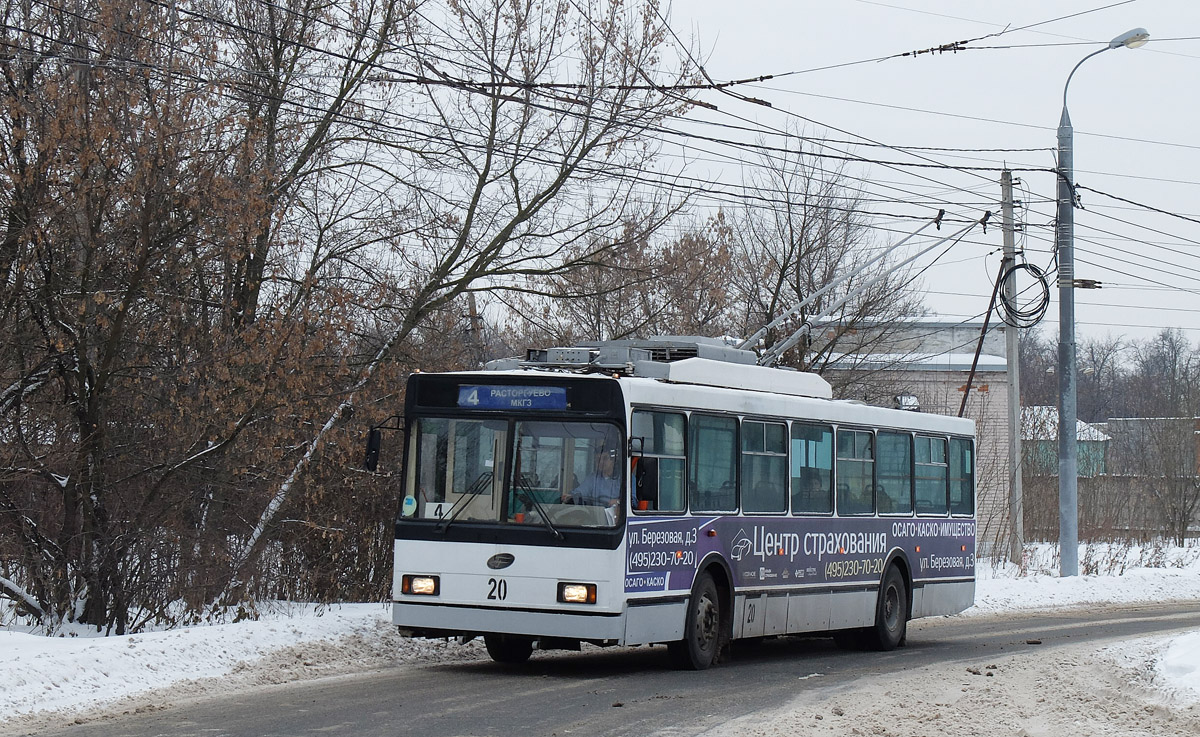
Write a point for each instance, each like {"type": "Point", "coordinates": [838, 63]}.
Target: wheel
{"type": "Point", "coordinates": [891, 613]}
{"type": "Point", "coordinates": [702, 628]}
{"type": "Point", "coordinates": [510, 649]}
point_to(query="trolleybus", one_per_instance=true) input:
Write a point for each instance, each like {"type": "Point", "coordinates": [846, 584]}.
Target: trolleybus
{"type": "Point", "coordinates": [672, 492]}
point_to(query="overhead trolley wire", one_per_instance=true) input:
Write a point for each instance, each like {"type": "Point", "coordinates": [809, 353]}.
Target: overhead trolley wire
{"type": "Point", "coordinates": [890, 164]}
{"type": "Point", "coordinates": [463, 85]}
{"type": "Point", "coordinates": [812, 153]}
{"type": "Point", "coordinates": [960, 116]}
{"type": "Point", "coordinates": [942, 48]}
{"type": "Point", "coordinates": [1151, 208]}
{"type": "Point", "coordinates": [366, 122]}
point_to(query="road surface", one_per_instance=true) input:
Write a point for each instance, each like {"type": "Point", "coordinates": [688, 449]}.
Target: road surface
{"type": "Point", "coordinates": [951, 673]}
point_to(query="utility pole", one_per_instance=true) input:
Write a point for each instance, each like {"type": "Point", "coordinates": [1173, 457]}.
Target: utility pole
{"type": "Point", "coordinates": [1016, 494]}
{"type": "Point", "coordinates": [1068, 447]}
{"type": "Point", "coordinates": [1064, 244]}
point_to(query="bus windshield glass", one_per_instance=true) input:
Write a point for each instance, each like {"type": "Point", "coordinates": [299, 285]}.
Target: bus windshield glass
{"type": "Point", "coordinates": [560, 473]}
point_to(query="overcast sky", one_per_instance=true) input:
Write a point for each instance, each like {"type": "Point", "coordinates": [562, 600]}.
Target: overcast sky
{"type": "Point", "coordinates": [1134, 112]}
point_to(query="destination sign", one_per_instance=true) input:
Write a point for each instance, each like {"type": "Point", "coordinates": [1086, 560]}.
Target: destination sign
{"type": "Point", "coordinates": [512, 397]}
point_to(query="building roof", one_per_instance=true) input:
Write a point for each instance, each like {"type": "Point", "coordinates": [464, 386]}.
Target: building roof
{"type": "Point", "coordinates": [920, 362]}
{"type": "Point", "coordinates": [1041, 423]}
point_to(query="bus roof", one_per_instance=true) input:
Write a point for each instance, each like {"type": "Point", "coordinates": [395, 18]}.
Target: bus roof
{"type": "Point", "coordinates": [640, 391]}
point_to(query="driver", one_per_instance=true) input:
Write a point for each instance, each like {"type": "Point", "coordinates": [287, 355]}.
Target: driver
{"type": "Point", "coordinates": [602, 487]}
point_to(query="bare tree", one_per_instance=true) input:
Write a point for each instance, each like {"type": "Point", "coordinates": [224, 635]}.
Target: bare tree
{"type": "Point", "coordinates": [1166, 376]}
{"type": "Point", "coordinates": [639, 288]}
{"type": "Point", "coordinates": [301, 74]}
{"type": "Point", "coordinates": [1157, 459]}
{"type": "Point", "coordinates": [1104, 373]}
{"type": "Point", "coordinates": [228, 226]}
{"type": "Point", "coordinates": [1039, 380]}
{"type": "Point", "coordinates": [1158, 447]}
{"type": "Point", "coordinates": [803, 226]}
{"type": "Point", "coordinates": [512, 150]}
{"type": "Point", "coordinates": [104, 227]}
{"type": "Point", "coordinates": [1102, 379]}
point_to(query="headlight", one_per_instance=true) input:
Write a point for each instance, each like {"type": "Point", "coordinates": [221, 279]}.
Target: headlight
{"type": "Point", "coordinates": [420, 585]}
{"type": "Point", "coordinates": [577, 593]}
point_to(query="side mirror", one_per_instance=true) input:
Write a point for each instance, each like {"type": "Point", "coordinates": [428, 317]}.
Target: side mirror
{"type": "Point", "coordinates": [374, 440]}
{"type": "Point", "coordinates": [635, 447]}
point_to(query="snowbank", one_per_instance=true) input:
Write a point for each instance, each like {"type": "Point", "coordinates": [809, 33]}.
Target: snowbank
{"type": "Point", "coordinates": [54, 673]}
{"type": "Point", "coordinates": [996, 592]}
{"type": "Point", "coordinates": [1179, 666]}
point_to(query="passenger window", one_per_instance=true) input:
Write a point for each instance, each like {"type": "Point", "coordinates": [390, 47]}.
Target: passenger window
{"type": "Point", "coordinates": [893, 494]}
{"type": "Point", "coordinates": [855, 472]}
{"type": "Point", "coordinates": [712, 464]}
{"type": "Point", "coordinates": [658, 474]}
{"type": "Point", "coordinates": [764, 467]}
{"type": "Point", "coordinates": [932, 475]}
{"type": "Point", "coordinates": [812, 469]}
{"type": "Point", "coordinates": [962, 471]}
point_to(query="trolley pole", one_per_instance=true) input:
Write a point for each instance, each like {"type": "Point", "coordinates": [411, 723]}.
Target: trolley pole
{"type": "Point", "coordinates": [1016, 494]}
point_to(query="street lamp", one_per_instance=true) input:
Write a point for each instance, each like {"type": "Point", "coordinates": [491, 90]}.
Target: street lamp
{"type": "Point", "coordinates": [1068, 460]}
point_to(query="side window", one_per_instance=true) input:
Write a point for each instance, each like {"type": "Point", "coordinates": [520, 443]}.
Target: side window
{"type": "Point", "coordinates": [658, 474]}
{"type": "Point", "coordinates": [855, 472]}
{"type": "Point", "coordinates": [962, 473]}
{"type": "Point", "coordinates": [764, 466]}
{"type": "Point", "coordinates": [712, 464]}
{"type": "Point", "coordinates": [812, 469]}
{"type": "Point", "coordinates": [932, 475]}
{"type": "Point", "coordinates": [893, 494]}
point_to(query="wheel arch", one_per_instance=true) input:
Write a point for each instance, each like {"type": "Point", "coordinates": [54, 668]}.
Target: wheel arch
{"type": "Point", "coordinates": [899, 558]}
{"type": "Point", "coordinates": [715, 565]}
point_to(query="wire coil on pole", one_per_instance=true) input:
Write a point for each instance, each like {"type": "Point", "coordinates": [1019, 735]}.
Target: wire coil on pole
{"type": "Point", "coordinates": [1013, 314]}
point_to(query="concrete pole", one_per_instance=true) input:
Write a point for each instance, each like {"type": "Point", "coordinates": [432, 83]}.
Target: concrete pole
{"type": "Point", "coordinates": [1064, 241]}
{"type": "Point", "coordinates": [1016, 494]}
{"type": "Point", "coordinates": [1068, 446]}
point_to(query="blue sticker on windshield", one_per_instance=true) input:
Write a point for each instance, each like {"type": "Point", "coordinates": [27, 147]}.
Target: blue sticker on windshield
{"type": "Point", "coordinates": [512, 397]}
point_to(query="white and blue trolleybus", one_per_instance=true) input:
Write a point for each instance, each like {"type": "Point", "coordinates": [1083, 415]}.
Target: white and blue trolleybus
{"type": "Point", "coordinates": [671, 491]}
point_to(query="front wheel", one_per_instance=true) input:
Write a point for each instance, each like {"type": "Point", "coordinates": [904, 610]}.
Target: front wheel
{"type": "Point", "coordinates": [508, 649]}
{"type": "Point", "coordinates": [702, 629]}
{"type": "Point", "coordinates": [891, 613]}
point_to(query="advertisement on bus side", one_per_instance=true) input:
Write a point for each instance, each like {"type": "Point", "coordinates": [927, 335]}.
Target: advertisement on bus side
{"type": "Point", "coordinates": [663, 553]}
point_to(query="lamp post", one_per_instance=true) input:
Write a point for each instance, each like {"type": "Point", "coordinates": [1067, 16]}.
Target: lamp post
{"type": "Point", "coordinates": [1068, 459]}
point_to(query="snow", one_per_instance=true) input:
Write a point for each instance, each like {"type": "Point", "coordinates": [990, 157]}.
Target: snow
{"type": "Point", "coordinates": [1122, 575]}
{"type": "Point", "coordinates": [56, 673]}
{"type": "Point", "coordinates": [75, 672]}
{"type": "Point", "coordinates": [1179, 665]}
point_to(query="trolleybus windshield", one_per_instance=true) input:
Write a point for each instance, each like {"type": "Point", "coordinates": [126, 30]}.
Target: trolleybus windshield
{"type": "Point", "coordinates": [515, 472]}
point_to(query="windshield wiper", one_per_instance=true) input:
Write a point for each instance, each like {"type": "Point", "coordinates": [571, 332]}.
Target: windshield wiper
{"type": "Point", "coordinates": [472, 491]}
{"type": "Point", "coordinates": [525, 493]}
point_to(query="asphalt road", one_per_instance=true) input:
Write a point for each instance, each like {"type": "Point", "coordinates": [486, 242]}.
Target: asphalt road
{"type": "Point", "coordinates": [617, 692]}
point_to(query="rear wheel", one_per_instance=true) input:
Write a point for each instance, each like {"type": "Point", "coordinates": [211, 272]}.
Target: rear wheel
{"type": "Point", "coordinates": [702, 629]}
{"type": "Point", "coordinates": [511, 649]}
{"type": "Point", "coordinates": [891, 613]}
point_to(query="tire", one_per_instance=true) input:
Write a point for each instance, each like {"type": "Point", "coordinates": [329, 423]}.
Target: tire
{"type": "Point", "coordinates": [702, 634]}
{"type": "Point", "coordinates": [508, 649]}
{"type": "Point", "coordinates": [891, 613]}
